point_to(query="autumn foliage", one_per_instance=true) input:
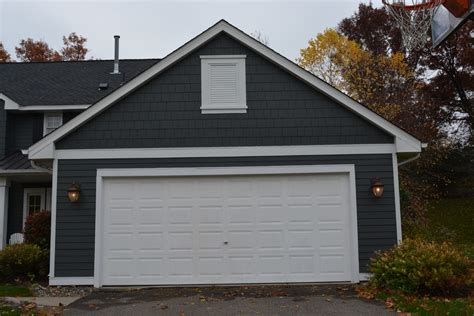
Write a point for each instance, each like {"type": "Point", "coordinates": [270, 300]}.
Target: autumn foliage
{"type": "Point", "coordinates": [428, 92]}
{"type": "Point", "coordinates": [422, 267]}
{"type": "Point", "coordinates": [38, 229]}
{"type": "Point", "coordinates": [30, 50]}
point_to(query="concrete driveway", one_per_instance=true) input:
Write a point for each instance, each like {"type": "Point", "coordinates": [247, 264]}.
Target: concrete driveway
{"type": "Point", "coordinates": [242, 300]}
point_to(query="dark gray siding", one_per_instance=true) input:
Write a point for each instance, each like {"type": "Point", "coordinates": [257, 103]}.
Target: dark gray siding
{"type": "Point", "coordinates": [23, 130]}
{"type": "Point", "coordinates": [67, 116]}
{"type": "Point", "coordinates": [15, 209]}
{"type": "Point", "coordinates": [282, 110]}
{"type": "Point", "coordinates": [75, 223]}
{"type": "Point", "coordinates": [3, 128]}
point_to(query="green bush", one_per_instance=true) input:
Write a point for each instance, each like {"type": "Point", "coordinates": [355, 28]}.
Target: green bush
{"type": "Point", "coordinates": [38, 229]}
{"type": "Point", "coordinates": [421, 267]}
{"type": "Point", "coordinates": [23, 261]}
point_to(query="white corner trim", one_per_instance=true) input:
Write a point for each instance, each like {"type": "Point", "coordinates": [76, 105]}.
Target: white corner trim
{"type": "Point", "coordinates": [71, 281]}
{"type": "Point", "coordinates": [396, 189]}
{"type": "Point", "coordinates": [404, 141]}
{"type": "Point", "coordinates": [364, 276]}
{"type": "Point", "coordinates": [9, 103]}
{"type": "Point", "coordinates": [213, 171]}
{"type": "Point", "coordinates": [244, 151]}
{"type": "Point", "coordinates": [54, 197]}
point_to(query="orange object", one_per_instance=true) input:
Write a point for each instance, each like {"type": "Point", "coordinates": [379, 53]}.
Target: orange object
{"type": "Point", "coordinates": [457, 7]}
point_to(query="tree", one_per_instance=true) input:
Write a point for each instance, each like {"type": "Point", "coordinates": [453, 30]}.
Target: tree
{"type": "Point", "coordinates": [451, 84]}
{"type": "Point", "coordinates": [378, 81]}
{"type": "Point", "coordinates": [4, 55]}
{"type": "Point", "coordinates": [327, 55]}
{"type": "Point", "coordinates": [373, 29]}
{"type": "Point", "coordinates": [439, 101]}
{"type": "Point", "coordinates": [30, 50]}
{"type": "Point", "coordinates": [74, 47]}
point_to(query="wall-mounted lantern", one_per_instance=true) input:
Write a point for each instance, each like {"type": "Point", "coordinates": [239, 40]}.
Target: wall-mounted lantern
{"type": "Point", "coordinates": [74, 192]}
{"type": "Point", "coordinates": [377, 187]}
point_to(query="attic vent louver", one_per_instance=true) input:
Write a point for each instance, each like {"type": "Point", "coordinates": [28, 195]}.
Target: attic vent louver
{"type": "Point", "coordinates": [103, 86]}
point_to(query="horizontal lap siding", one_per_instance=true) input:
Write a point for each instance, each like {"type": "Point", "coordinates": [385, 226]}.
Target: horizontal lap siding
{"type": "Point", "coordinates": [282, 110]}
{"type": "Point", "coordinates": [76, 221]}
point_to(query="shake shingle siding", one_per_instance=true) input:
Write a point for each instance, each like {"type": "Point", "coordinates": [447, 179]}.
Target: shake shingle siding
{"type": "Point", "coordinates": [75, 224]}
{"type": "Point", "coordinates": [282, 110]}
{"type": "Point", "coordinates": [3, 128]}
{"type": "Point", "coordinates": [23, 130]}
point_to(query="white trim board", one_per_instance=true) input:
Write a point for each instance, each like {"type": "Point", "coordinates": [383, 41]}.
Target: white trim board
{"type": "Point", "coordinates": [404, 142]}
{"type": "Point", "coordinates": [249, 151]}
{"type": "Point", "coordinates": [396, 189]}
{"type": "Point", "coordinates": [12, 105]}
{"type": "Point", "coordinates": [213, 171]}
{"type": "Point", "coordinates": [55, 281]}
{"type": "Point", "coordinates": [54, 198]}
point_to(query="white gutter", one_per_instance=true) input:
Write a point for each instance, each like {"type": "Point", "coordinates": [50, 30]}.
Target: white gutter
{"type": "Point", "coordinates": [12, 105]}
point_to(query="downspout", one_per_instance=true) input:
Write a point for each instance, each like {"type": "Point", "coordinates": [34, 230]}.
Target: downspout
{"type": "Point", "coordinates": [423, 145]}
{"type": "Point", "coordinates": [34, 165]}
{"type": "Point", "coordinates": [409, 160]}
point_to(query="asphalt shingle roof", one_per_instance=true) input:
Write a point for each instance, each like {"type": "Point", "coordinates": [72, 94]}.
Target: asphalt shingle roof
{"type": "Point", "coordinates": [65, 83]}
{"type": "Point", "coordinates": [15, 161]}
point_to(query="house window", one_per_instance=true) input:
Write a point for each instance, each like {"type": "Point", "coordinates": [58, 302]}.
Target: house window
{"type": "Point", "coordinates": [52, 121]}
{"type": "Point", "coordinates": [223, 84]}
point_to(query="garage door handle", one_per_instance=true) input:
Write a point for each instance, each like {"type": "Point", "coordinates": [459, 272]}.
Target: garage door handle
{"type": "Point", "coordinates": [226, 242]}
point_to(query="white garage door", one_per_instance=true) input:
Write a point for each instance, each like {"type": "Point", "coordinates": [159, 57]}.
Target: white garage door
{"type": "Point", "coordinates": [225, 229]}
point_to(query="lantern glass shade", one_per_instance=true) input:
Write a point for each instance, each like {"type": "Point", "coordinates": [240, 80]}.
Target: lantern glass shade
{"type": "Point", "coordinates": [377, 188]}
{"type": "Point", "coordinates": [74, 193]}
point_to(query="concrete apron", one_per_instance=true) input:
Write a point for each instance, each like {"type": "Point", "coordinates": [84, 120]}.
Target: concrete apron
{"type": "Point", "coordinates": [43, 301]}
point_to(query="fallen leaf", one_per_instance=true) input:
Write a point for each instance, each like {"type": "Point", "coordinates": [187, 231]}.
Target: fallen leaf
{"type": "Point", "coordinates": [163, 306]}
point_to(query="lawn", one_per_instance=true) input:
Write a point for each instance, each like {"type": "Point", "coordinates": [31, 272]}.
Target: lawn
{"type": "Point", "coordinates": [14, 290]}
{"type": "Point", "coordinates": [427, 306]}
{"type": "Point", "coordinates": [7, 310]}
{"type": "Point", "coordinates": [449, 219]}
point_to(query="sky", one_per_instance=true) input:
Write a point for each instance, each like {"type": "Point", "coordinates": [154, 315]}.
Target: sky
{"type": "Point", "coordinates": [154, 28]}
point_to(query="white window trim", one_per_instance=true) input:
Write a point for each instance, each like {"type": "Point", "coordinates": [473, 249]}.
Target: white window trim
{"type": "Point", "coordinates": [206, 63]}
{"type": "Point", "coordinates": [210, 171]}
{"type": "Point", "coordinates": [45, 120]}
{"type": "Point", "coordinates": [38, 191]}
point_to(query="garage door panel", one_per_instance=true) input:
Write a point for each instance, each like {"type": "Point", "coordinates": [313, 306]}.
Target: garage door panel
{"type": "Point", "coordinates": [226, 229]}
{"type": "Point", "coordinates": [210, 214]}
{"type": "Point", "coordinates": [210, 240]}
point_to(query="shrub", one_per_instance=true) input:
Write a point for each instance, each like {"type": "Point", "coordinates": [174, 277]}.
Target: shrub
{"type": "Point", "coordinates": [23, 261]}
{"type": "Point", "coordinates": [38, 229]}
{"type": "Point", "coordinates": [421, 267]}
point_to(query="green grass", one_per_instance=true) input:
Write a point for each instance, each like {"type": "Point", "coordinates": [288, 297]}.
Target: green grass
{"type": "Point", "coordinates": [449, 219]}
{"type": "Point", "coordinates": [14, 290]}
{"type": "Point", "coordinates": [7, 310]}
{"type": "Point", "coordinates": [428, 306]}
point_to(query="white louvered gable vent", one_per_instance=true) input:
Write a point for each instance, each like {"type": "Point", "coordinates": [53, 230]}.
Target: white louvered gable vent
{"type": "Point", "coordinates": [223, 84]}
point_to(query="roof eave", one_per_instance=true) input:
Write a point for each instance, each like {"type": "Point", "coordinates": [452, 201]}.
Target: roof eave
{"type": "Point", "coordinates": [44, 149]}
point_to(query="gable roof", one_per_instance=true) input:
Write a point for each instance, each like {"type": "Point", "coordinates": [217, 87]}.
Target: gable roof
{"type": "Point", "coordinates": [70, 83]}
{"type": "Point", "coordinates": [404, 142]}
